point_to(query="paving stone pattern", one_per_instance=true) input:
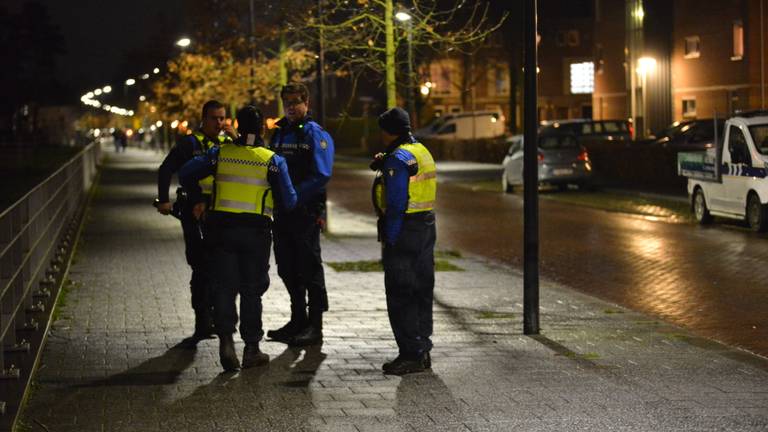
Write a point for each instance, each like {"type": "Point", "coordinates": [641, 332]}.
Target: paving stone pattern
{"type": "Point", "coordinates": [111, 363]}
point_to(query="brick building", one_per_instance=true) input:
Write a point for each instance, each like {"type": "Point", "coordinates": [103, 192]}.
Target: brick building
{"type": "Point", "coordinates": [694, 57]}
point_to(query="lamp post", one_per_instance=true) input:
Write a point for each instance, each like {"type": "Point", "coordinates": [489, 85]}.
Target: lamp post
{"type": "Point", "coordinates": [407, 20]}
{"type": "Point", "coordinates": [184, 42]}
{"type": "Point", "coordinates": [645, 65]}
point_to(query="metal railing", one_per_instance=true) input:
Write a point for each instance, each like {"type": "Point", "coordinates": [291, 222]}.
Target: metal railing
{"type": "Point", "coordinates": [36, 235]}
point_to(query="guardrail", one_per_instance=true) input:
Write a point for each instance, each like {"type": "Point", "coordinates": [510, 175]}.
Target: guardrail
{"type": "Point", "coordinates": [36, 238]}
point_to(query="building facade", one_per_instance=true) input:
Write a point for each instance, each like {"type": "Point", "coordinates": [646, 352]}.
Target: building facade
{"type": "Point", "coordinates": [658, 62]}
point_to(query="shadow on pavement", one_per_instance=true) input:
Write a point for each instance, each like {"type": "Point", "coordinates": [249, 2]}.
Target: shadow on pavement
{"type": "Point", "coordinates": [163, 370]}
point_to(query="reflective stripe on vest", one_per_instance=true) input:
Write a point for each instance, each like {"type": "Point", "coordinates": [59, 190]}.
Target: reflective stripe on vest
{"type": "Point", "coordinates": [206, 184]}
{"type": "Point", "coordinates": [241, 180]}
{"type": "Point", "coordinates": [422, 187]}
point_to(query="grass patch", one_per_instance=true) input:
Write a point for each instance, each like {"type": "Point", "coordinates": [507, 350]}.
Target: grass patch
{"type": "Point", "coordinates": [612, 311]}
{"type": "Point", "coordinates": [495, 315]}
{"type": "Point", "coordinates": [357, 266]}
{"type": "Point", "coordinates": [584, 356]}
{"type": "Point", "coordinates": [376, 266]}
{"type": "Point", "coordinates": [63, 299]}
{"type": "Point", "coordinates": [448, 254]}
{"type": "Point", "coordinates": [446, 266]}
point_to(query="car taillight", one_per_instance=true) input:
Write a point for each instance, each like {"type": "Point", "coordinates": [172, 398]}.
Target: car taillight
{"type": "Point", "coordinates": [583, 156]}
{"type": "Point", "coordinates": [541, 157]}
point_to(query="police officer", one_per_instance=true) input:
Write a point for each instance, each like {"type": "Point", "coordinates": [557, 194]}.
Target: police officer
{"type": "Point", "coordinates": [249, 180]}
{"type": "Point", "coordinates": [404, 196]}
{"type": "Point", "coordinates": [308, 150]}
{"type": "Point", "coordinates": [208, 136]}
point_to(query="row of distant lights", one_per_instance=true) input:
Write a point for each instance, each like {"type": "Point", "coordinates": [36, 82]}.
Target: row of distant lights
{"type": "Point", "coordinates": [89, 98]}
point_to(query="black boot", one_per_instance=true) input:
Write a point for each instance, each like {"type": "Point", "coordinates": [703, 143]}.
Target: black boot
{"type": "Point", "coordinates": [203, 330]}
{"type": "Point", "coordinates": [427, 360]}
{"type": "Point", "coordinates": [403, 365]}
{"type": "Point", "coordinates": [297, 323]}
{"type": "Point", "coordinates": [227, 355]}
{"type": "Point", "coordinates": [311, 335]}
{"type": "Point", "coordinates": [252, 356]}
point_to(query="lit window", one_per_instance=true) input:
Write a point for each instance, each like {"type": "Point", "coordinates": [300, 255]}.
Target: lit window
{"type": "Point", "coordinates": [582, 78]}
{"type": "Point", "coordinates": [692, 47]}
{"type": "Point", "coordinates": [689, 108]}
{"type": "Point", "coordinates": [738, 40]}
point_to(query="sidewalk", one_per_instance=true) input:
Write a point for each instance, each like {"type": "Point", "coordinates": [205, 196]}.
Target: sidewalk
{"type": "Point", "coordinates": [110, 362]}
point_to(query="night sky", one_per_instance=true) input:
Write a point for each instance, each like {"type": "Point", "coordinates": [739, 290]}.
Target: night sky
{"type": "Point", "coordinates": [105, 39]}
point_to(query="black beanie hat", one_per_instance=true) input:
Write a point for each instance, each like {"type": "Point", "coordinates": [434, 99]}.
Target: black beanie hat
{"type": "Point", "coordinates": [395, 121]}
{"type": "Point", "coordinates": [250, 121]}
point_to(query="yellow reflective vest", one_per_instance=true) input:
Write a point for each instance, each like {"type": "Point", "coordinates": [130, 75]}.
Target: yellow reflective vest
{"type": "Point", "coordinates": [422, 187]}
{"type": "Point", "coordinates": [206, 184]}
{"type": "Point", "coordinates": [241, 184]}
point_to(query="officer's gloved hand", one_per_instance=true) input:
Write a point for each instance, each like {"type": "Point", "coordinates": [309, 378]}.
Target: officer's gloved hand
{"type": "Point", "coordinates": [378, 162]}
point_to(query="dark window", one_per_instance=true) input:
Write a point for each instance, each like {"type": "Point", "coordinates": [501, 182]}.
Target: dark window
{"type": "Point", "coordinates": [737, 146]}
{"type": "Point", "coordinates": [557, 142]}
{"type": "Point", "coordinates": [760, 137]}
{"type": "Point", "coordinates": [448, 129]}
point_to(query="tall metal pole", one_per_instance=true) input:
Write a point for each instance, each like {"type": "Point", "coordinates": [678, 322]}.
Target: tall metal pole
{"type": "Point", "coordinates": [762, 55]}
{"type": "Point", "coordinates": [320, 67]}
{"type": "Point", "coordinates": [410, 87]}
{"type": "Point", "coordinates": [252, 85]}
{"type": "Point", "coordinates": [530, 178]}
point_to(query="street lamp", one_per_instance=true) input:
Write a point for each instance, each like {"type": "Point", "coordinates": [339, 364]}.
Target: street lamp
{"type": "Point", "coordinates": [645, 66]}
{"type": "Point", "coordinates": [130, 82]}
{"type": "Point", "coordinates": [406, 19]}
{"type": "Point", "coordinates": [106, 89]}
{"type": "Point", "coordinates": [184, 42]}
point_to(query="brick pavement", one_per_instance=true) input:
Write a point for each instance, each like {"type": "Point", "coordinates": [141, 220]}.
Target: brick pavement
{"type": "Point", "coordinates": [110, 362]}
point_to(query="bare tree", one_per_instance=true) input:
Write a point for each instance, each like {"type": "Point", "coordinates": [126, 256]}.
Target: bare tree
{"type": "Point", "coordinates": [362, 34]}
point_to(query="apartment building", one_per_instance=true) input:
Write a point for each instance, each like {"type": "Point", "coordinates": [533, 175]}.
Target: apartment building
{"type": "Point", "coordinates": [662, 61]}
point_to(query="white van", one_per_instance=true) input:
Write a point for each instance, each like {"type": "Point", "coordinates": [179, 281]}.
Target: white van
{"type": "Point", "coordinates": [464, 126]}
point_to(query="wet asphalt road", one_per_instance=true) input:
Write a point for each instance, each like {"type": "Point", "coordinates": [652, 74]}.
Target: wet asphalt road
{"type": "Point", "coordinates": [712, 280]}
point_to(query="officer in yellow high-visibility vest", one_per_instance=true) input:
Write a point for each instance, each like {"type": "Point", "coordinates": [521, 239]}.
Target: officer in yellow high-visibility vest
{"type": "Point", "coordinates": [404, 199]}
{"type": "Point", "coordinates": [251, 183]}
{"type": "Point", "coordinates": [213, 122]}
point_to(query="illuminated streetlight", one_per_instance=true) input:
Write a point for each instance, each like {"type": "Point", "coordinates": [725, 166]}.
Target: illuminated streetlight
{"type": "Point", "coordinates": [159, 123]}
{"type": "Point", "coordinates": [645, 66]}
{"type": "Point", "coordinates": [142, 98]}
{"type": "Point", "coordinates": [156, 70]}
{"type": "Point", "coordinates": [174, 124]}
{"type": "Point", "coordinates": [107, 89]}
{"type": "Point", "coordinates": [424, 90]}
{"type": "Point", "coordinates": [97, 92]}
{"type": "Point", "coordinates": [130, 82]}
{"type": "Point", "coordinates": [403, 16]}
{"type": "Point", "coordinates": [145, 76]}
{"type": "Point", "coordinates": [184, 42]}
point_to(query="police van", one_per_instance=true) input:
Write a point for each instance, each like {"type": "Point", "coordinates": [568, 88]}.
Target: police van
{"type": "Point", "coordinates": [729, 180]}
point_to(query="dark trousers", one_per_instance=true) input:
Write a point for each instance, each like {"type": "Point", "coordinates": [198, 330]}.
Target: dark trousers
{"type": "Point", "coordinates": [198, 258]}
{"type": "Point", "coordinates": [299, 264]}
{"type": "Point", "coordinates": [240, 266]}
{"type": "Point", "coordinates": [409, 280]}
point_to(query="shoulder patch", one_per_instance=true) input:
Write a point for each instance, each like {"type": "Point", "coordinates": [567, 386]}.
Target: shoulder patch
{"type": "Point", "coordinates": [391, 172]}
{"type": "Point", "coordinates": [323, 144]}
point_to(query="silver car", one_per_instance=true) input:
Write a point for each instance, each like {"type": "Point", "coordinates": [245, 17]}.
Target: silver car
{"type": "Point", "coordinates": [562, 161]}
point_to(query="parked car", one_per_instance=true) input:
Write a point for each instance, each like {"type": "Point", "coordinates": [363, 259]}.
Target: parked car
{"type": "Point", "coordinates": [462, 126]}
{"type": "Point", "coordinates": [562, 161]}
{"type": "Point", "coordinates": [689, 135]}
{"type": "Point", "coordinates": [590, 132]}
